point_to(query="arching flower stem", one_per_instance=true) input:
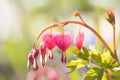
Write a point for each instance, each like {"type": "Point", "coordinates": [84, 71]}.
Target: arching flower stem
{"type": "Point", "coordinates": [74, 22]}
{"type": "Point", "coordinates": [114, 42]}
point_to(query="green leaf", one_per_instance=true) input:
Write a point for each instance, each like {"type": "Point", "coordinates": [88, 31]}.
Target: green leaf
{"type": "Point", "coordinates": [94, 74]}
{"type": "Point", "coordinates": [108, 61]}
{"type": "Point", "coordinates": [97, 59]}
{"type": "Point", "coordinates": [79, 54]}
{"type": "Point", "coordinates": [76, 64]}
{"type": "Point", "coordinates": [76, 51]}
{"type": "Point", "coordinates": [86, 52]}
{"type": "Point", "coordinates": [111, 63]}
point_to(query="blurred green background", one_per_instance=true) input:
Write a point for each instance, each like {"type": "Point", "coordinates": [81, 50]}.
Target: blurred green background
{"type": "Point", "coordinates": [22, 20]}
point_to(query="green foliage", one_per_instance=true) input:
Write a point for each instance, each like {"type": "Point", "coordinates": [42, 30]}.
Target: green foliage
{"type": "Point", "coordinates": [76, 64]}
{"type": "Point", "coordinates": [97, 59]}
{"type": "Point", "coordinates": [82, 54]}
{"type": "Point", "coordinates": [94, 74]}
{"type": "Point", "coordinates": [96, 62]}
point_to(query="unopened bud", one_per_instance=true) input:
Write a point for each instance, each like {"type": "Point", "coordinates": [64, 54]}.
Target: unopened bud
{"type": "Point", "coordinates": [75, 13]}
{"type": "Point", "coordinates": [42, 48]}
{"type": "Point", "coordinates": [109, 16]}
{"type": "Point", "coordinates": [35, 53]}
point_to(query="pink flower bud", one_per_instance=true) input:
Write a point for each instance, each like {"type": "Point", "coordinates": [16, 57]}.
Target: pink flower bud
{"type": "Point", "coordinates": [78, 40]}
{"type": "Point", "coordinates": [42, 48]}
{"type": "Point", "coordinates": [30, 56]}
{"type": "Point", "coordinates": [35, 53]}
{"type": "Point", "coordinates": [32, 63]}
{"type": "Point", "coordinates": [43, 53]}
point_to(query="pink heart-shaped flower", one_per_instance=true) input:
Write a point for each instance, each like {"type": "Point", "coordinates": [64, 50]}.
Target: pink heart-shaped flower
{"type": "Point", "coordinates": [49, 40]}
{"type": "Point", "coordinates": [78, 40]}
{"type": "Point", "coordinates": [63, 41]}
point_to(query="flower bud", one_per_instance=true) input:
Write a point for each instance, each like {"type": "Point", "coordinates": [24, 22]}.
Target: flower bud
{"type": "Point", "coordinates": [32, 63]}
{"type": "Point", "coordinates": [75, 13]}
{"type": "Point", "coordinates": [78, 40]}
{"type": "Point", "coordinates": [42, 48]}
{"type": "Point", "coordinates": [35, 53]}
{"type": "Point", "coordinates": [109, 16]}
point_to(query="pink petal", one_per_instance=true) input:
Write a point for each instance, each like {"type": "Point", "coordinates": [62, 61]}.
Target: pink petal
{"type": "Point", "coordinates": [35, 53]}
{"type": "Point", "coordinates": [63, 41]}
{"type": "Point", "coordinates": [78, 40]}
{"type": "Point", "coordinates": [50, 55]}
{"type": "Point", "coordinates": [43, 59]}
{"type": "Point", "coordinates": [63, 57]}
{"type": "Point", "coordinates": [42, 48]}
{"type": "Point", "coordinates": [49, 40]}
{"type": "Point", "coordinates": [35, 65]}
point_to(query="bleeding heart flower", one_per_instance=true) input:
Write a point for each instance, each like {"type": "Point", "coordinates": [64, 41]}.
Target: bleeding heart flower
{"type": "Point", "coordinates": [42, 48]}
{"type": "Point", "coordinates": [63, 41]}
{"type": "Point", "coordinates": [50, 44]}
{"type": "Point", "coordinates": [32, 62]}
{"type": "Point", "coordinates": [78, 40]}
{"type": "Point", "coordinates": [42, 53]}
{"type": "Point", "coordinates": [49, 41]}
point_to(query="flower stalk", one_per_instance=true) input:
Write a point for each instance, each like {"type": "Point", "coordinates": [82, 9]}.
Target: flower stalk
{"type": "Point", "coordinates": [108, 75]}
{"type": "Point", "coordinates": [114, 41]}
{"type": "Point", "coordinates": [110, 17]}
{"type": "Point", "coordinates": [74, 22]}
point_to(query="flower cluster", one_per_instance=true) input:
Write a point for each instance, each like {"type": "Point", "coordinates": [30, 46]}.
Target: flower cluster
{"type": "Point", "coordinates": [87, 57]}
{"type": "Point", "coordinates": [49, 41]}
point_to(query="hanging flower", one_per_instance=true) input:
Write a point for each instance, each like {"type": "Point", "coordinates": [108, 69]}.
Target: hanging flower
{"type": "Point", "coordinates": [50, 44]}
{"type": "Point", "coordinates": [78, 40]}
{"type": "Point", "coordinates": [43, 53]}
{"type": "Point", "coordinates": [63, 41]}
{"type": "Point", "coordinates": [32, 62]}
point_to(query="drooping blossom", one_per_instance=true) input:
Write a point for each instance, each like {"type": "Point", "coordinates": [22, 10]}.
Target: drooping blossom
{"type": "Point", "coordinates": [50, 44]}
{"type": "Point", "coordinates": [63, 41]}
{"type": "Point", "coordinates": [78, 40]}
{"type": "Point", "coordinates": [32, 62]}
{"type": "Point", "coordinates": [43, 53]}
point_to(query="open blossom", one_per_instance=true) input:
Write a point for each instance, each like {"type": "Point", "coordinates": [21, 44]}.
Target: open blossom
{"type": "Point", "coordinates": [32, 62]}
{"type": "Point", "coordinates": [42, 53]}
{"type": "Point", "coordinates": [78, 40]}
{"type": "Point", "coordinates": [63, 41]}
{"type": "Point", "coordinates": [50, 44]}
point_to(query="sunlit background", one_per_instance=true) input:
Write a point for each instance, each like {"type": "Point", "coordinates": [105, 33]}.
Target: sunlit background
{"type": "Point", "coordinates": [22, 20]}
